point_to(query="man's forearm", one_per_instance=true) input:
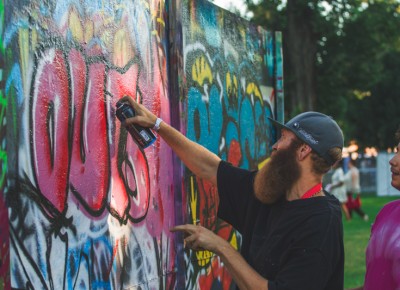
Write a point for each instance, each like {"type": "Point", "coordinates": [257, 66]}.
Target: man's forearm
{"type": "Point", "coordinates": [202, 162]}
{"type": "Point", "coordinates": [242, 273]}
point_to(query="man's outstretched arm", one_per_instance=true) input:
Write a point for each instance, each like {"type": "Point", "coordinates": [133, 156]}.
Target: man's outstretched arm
{"type": "Point", "coordinates": [202, 162]}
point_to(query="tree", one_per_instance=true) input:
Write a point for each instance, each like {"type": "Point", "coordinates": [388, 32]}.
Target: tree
{"type": "Point", "coordinates": [336, 60]}
{"type": "Point", "coordinates": [304, 24]}
{"type": "Point", "coordinates": [357, 77]}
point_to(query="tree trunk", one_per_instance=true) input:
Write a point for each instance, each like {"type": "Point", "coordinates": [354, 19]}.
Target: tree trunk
{"type": "Point", "coordinates": [301, 50]}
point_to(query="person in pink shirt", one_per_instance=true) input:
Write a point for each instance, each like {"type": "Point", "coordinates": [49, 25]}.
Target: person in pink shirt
{"type": "Point", "coordinates": [383, 250]}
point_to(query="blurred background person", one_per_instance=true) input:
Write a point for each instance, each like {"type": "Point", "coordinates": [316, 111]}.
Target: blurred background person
{"type": "Point", "coordinates": [353, 188]}
{"type": "Point", "coordinates": [337, 187]}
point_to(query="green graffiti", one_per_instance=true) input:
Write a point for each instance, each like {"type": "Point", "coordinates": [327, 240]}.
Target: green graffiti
{"type": "Point", "coordinates": [3, 164]}
{"type": "Point", "coordinates": [3, 153]}
{"type": "Point", "coordinates": [3, 105]}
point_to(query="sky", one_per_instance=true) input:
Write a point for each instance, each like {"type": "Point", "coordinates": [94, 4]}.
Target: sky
{"type": "Point", "coordinates": [241, 6]}
{"type": "Point", "coordinates": [237, 5]}
{"type": "Point", "coordinates": [228, 4]}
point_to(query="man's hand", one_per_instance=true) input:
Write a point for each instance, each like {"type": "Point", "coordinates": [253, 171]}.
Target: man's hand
{"type": "Point", "coordinates": [200, 238]}
{"type": "Point", "coordinates": [143, 116]}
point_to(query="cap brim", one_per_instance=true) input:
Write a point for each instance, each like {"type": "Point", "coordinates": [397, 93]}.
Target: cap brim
{"type": "Point", "coordinates": [278, 125]}
{"type": "Point", "coordinates": [281, 126]}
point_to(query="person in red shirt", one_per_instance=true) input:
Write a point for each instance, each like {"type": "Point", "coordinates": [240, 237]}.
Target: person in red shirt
{"type": "Point", "coordinates": [353, 189]}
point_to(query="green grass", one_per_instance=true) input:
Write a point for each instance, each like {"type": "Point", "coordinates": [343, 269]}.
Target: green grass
{"type": "Point", "coordinates": [356, 236]}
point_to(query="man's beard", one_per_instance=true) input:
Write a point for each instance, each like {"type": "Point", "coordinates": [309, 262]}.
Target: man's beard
{"type": "Point", "coordinates": [278, 176]}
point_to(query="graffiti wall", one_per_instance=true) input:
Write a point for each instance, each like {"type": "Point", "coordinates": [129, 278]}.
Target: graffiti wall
{"type": "Point", "coordinates": [230, 73]}
{"type": "Point", "coordinates": [88, 208]}
{"type": "Point", "coordinates": [82, 206]}
{"type": "Point", "coordinates": [4, 230]}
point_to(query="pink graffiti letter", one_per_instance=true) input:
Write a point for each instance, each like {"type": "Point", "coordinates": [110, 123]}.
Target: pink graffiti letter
{"type": "Point", "coordinates": [49, 127]}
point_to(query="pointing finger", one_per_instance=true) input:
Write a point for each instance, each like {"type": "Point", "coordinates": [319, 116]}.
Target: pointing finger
{"type": "Point", "coordinates": [183, 228]}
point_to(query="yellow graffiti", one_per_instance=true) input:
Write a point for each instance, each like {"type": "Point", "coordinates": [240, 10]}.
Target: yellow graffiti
{"type": "Point", "coordinates": [204, 258]}
{"type": "Point", "coordinates": [122, 48]}
{"type": "Point", "coordinates": [34, 38]}
{"type": "Point", "coordinates": [231, 84]}
{"type": "Point", "coordinates": [201, 71]}
{"type": "Point", "coordinates": [157, 18]}
{"type": "Point", "coordinates": [252, 89]}
{"type": "Point", "coordinates": [243, 33]}
{"type": "Point", "coordinates": [161, 21]}
{"type": "Point", "coordinates": [89, 30]}
{"type": "Point", "coordinates": [81, 32]}
{"type": "Point", "coordinates": [75, 26]}
{"type": "Point", "coordinates": [193, 201]}
{"type": "Point", "coordinates": [23, 41]}
{"type": "Point", "coordinates": [234, 242]}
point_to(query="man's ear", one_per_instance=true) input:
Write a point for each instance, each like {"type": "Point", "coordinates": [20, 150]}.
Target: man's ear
{"type": "Point", "coordinates": [303, 151]}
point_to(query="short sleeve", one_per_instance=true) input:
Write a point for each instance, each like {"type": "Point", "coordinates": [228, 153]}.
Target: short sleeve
{"type": "Point", "coordinates": [235, 189]}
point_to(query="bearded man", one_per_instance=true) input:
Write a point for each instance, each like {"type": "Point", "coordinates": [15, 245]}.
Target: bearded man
{"type": "Point", "coordinates": [291, 229]}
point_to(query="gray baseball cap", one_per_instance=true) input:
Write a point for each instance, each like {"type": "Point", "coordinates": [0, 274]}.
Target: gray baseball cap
{"type": "Point", "coordinates": [317, 130]}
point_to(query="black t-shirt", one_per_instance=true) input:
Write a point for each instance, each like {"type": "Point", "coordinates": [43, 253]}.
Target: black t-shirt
{"type": "Point", "coordinates": [293, 244]}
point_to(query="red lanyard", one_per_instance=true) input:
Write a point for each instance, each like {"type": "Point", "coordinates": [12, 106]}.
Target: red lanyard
{"type": "Point", "coordinates": [315, 189]}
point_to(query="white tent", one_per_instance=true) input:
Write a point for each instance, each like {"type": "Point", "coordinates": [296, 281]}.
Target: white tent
{"type": "Point", "coordinates": [383, 175]}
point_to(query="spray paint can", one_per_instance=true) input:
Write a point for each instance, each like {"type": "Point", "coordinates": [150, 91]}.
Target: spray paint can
{"type": "Point", "coordinates": [144, 137]}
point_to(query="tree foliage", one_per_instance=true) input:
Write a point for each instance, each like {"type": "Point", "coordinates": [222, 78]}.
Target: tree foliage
{"type": "Point", "coordinates": [341, 58]}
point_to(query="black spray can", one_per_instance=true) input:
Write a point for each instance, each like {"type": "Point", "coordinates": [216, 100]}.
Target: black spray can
{"type": "Point", "coordinates": [143, 136]}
